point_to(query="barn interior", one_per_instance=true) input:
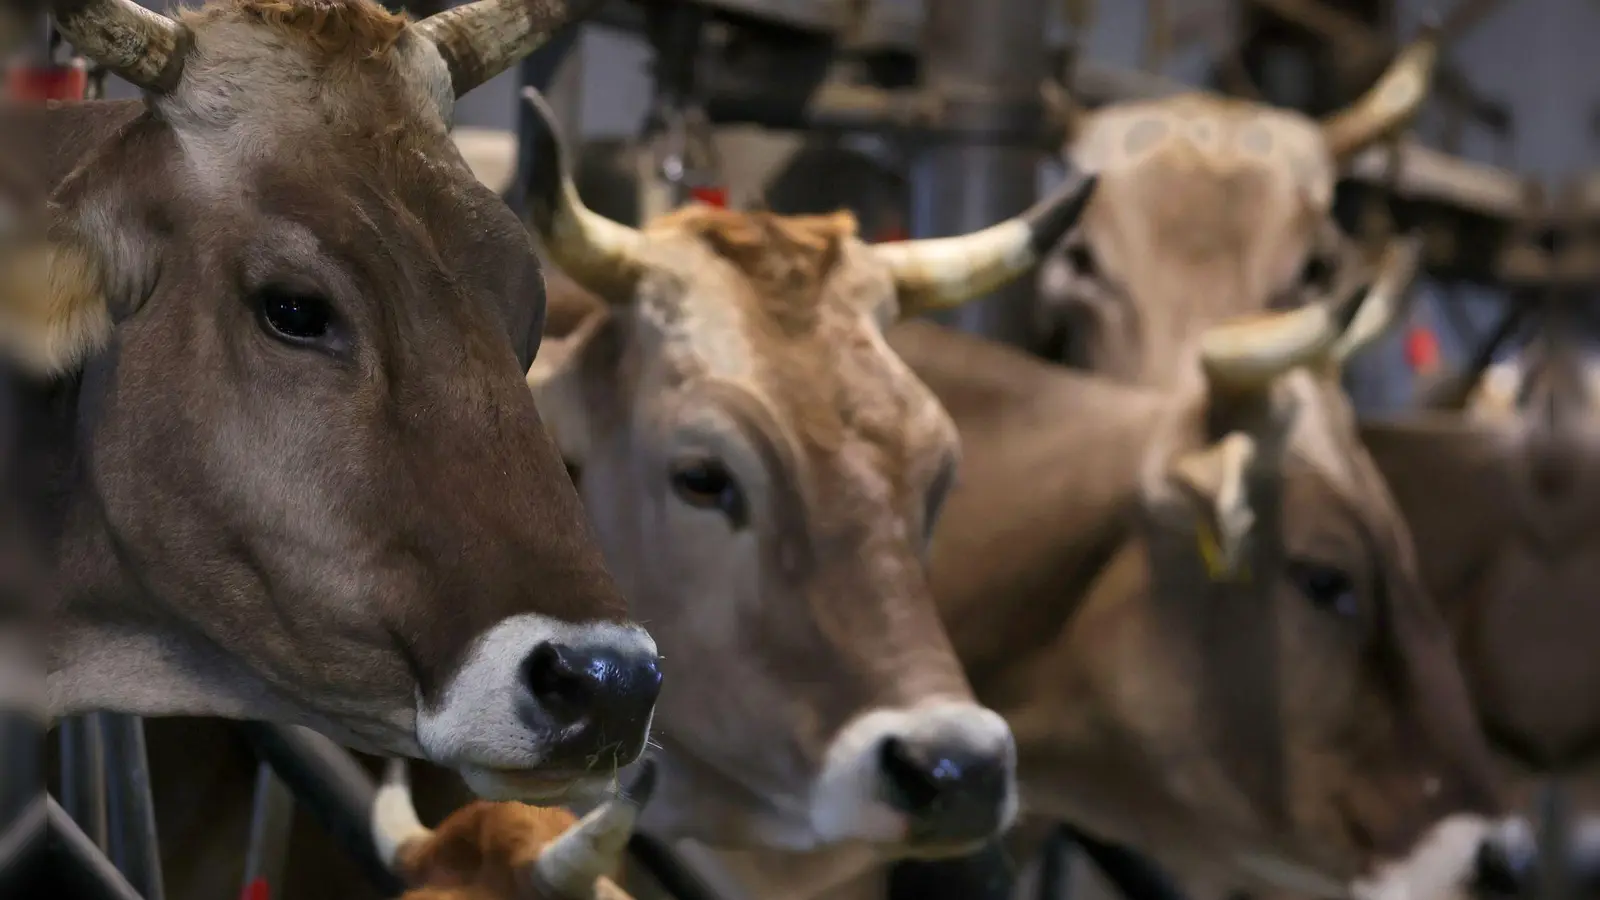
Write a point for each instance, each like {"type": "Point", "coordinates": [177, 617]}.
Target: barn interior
{"type": "Point", "coordinates": [931, 118]}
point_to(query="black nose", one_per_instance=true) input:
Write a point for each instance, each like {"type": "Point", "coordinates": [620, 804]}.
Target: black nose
{"type": "Point", "coordinates": [1507, 864]}
{"type": "Point", "coordinates": [951, 792]}
{"type": "Point", "coordinates": [596, 700]}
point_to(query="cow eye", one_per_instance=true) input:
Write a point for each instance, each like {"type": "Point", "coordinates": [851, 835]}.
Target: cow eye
{"type": "Point", "coordinates": [1317, 273]}
{"type": "Point", "coordinates": [296, 316]}
{"type": "Point", "coordinates": [707, 484]}
{"type": "Point", "coordinates": [1082, 260]}
{"type": "Point", "coordinates": [1329, 589]}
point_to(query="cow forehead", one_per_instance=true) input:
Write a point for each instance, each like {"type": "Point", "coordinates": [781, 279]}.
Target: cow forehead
{"type": "Point", "coordinates": [816, 358]}
{"type": "Point", "coordinates": [267, 78]}
{"type": "Point", "coordinates": [1199, 136]}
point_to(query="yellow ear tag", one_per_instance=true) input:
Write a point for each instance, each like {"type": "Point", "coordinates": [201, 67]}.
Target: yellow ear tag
{"type": "Point", "coordinates": [1211, 555]}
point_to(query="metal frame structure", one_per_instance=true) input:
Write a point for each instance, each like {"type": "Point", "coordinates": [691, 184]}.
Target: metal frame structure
{"type": "Point", "coordinates": [976, 106]}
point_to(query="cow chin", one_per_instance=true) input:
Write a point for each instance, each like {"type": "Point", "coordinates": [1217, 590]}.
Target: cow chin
{"type": "Point", "coordinates": [934, 780]}
{"type": "Point", "coordinates": [1440, 865]}
{"type": "Point", "coordinates": [536, 787]}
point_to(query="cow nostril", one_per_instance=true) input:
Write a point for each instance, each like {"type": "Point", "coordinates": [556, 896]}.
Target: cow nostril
{"type": "Point", "coordinates": [558, 681]}
{"type": "Point", "coordinates": [1504, 867]}
{"type": "Point", "coordinates": [914, 782]}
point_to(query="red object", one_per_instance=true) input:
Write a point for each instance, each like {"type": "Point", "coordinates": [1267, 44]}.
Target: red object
{"type": "Point", "coordinates": [38, 84]}
{"type": "Point", "coordinates": [1422, 350]}
{"type": "Point", "coordinates": [710, 196]}
{"type": "Point", "coordinates": [256, 890]}
{"type": "Point", "coordinates": [891, 234]}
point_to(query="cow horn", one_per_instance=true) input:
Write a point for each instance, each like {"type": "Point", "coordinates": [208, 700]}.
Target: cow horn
{"type": "Point", "coordinates": [940, 273]}
{"type": "Point", "coordinates": [480, 40]}
{"type": "Point", "coordinates": [144, 48]}
{"type": "Point", "coordinates": [569, 866]}
{"type": "Point", "coordinates": [1385, 299]}
{"type": "Point", "coordinates": [1252, 352]}
{"type": "Point", "coordinates": [602, 256]}
{"type": "Point", "coordinates": [1390, 104]}
{"type": "Point", "coordinates": [394, 818]}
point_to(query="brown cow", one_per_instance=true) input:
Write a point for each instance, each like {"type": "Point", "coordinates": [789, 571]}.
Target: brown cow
{"type": "Point", "coordinates": [506, 851]}
{"type": "Point", "coordinates": [1502, 498]}
{"type": "Point", "coordinates": [735, 402]}
{"type": "Point", "coordinates": [1209, 208]}
{"type": "Point", "coordinates": [277, 438]}
{"type": "Point", "coordinates": [1202, 618]}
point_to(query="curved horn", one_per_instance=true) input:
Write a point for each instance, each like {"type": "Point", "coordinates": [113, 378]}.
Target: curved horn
{"type": "Point", "coordinates": [945, 272]}
{"type": "Point", "coordinates": [1390, 104]}
{"type": "Point", "coordinates": [394, 818]}
{"type": "Point", "coordinates": [144, 48]}
{"type": "Point", "coordinates": [601, 255]}
{"type": "Point", "coordinates": [569, 865]}
{"type": "Point", "coordinates": [480, 40]}
{"type": "Point", "coordinates": [1385, 299]}
{"type": "Point", "coordinates": [1250, 353]}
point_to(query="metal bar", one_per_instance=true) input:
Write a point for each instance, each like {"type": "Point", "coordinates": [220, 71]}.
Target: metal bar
{"type": "Point", "coordinates": [96, 877]}
{"type": "Point", "coordinates": [132, 843]}
{"type": "Point", "coordinates": [1055, 866]}
{"type": "Point", "coordinates": [20, 840]}
{"type": "Point", "coordinates": [676, 879]}
{"type": "Point", "coordinates": [271, 821]}
{"type": "Point", "coordinates": [992, 55]}
{"type": "Point", "coordinates": [83, 775]}
{"type": "Point", "coordinates": [1134, 876]}
{"type": "Point", "coordinates": [333, 787]}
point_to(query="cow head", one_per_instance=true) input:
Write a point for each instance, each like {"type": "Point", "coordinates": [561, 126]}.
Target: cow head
{"type": "Point", "coordinates": [301, 475]}
{"type": "Point", "coordinates": [506, 851]}
{"type": "Point", "coordinates": [1302, 650]}
{"type": "Point", "coordinates": [1208, 208]}
{"type": "Point", "coordinates": [764, 473]}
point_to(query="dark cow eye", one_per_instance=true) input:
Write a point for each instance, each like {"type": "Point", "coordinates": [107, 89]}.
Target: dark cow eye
{"type": "Point", "coordinates": [707, 484]}
{"type": "Point", "coordinates": [296, 316]}
{"type": "Point", "coordinates": [1082, 260]}
{"type": "Point", "coordinates": [1317, 273]}
{"type": "Point", "coordinates": [1329, 589]}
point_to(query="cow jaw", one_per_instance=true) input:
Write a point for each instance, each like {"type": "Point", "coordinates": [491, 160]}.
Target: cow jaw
{"type": "Point", "coordinates": [1441, 864]}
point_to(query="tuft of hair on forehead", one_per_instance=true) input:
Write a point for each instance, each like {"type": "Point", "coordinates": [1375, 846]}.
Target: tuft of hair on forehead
{"type": "Point", "coordinates": [342, 29]}
{"type": "Point", "coordinates": [787, 259]}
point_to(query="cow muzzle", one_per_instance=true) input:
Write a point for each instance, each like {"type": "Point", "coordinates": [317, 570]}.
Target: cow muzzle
{"type": "Point", "coordinates": [1460, 856]}
{"type": "Point", "coordinates": [933, 780]}
{"type": "Point", "coordinates": [540, 706]}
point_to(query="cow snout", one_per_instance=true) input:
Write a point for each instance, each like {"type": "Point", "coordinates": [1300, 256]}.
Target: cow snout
{"type": "Point", "coordinates": [951, 790]}
{"type": "Point", "coordinates": [1507, 862]}
{"type": "Point", "coordinates": [933, 779]}
{"type": "Point", "coordinates": [597, 699]}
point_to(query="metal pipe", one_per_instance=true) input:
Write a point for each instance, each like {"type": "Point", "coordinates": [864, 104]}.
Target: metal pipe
{"type": "Point", "coordinates": [1055, 866]}
{"type": "Point", "coordinates": [19, 842]}
{"type": "Point", "coordinates": [83, 775]}
{"type": "Point", "coordinates": [986, 58]}
{"type": "Point", "coordinates": [333, 787]}
{"type": "Point", "coordinates": [1131, 874]}
{"type": "Point", "coordinates": [271, 820]}
{"type": "Point", "coordinates": [89, 874]}
{"type": "Point", "coordinates": [131, 840]}
{"type": "Point", "coordinates": [677, 880]}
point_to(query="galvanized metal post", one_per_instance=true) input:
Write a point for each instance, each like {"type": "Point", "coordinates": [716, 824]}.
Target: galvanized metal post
{"type": "Point", "coordinates": [132, 843]}
{"type": "Point", "coordinates": [987, 59]}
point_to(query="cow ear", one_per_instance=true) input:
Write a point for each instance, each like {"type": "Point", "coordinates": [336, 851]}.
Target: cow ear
{"type": "Point", "coordinates": [54, 312]}
{"type": "Point", "coordinates": [1213, 482]}
{"type": "Point", "coordinates": [563, 379]}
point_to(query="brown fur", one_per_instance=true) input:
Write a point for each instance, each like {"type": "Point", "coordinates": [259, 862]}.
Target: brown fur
{"type": "Point", "coordinates": [787, 259]}
{"type": "Point", "coordinates": [482, 852]}
{"type": "Point", "coordinates": [349, 30]}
